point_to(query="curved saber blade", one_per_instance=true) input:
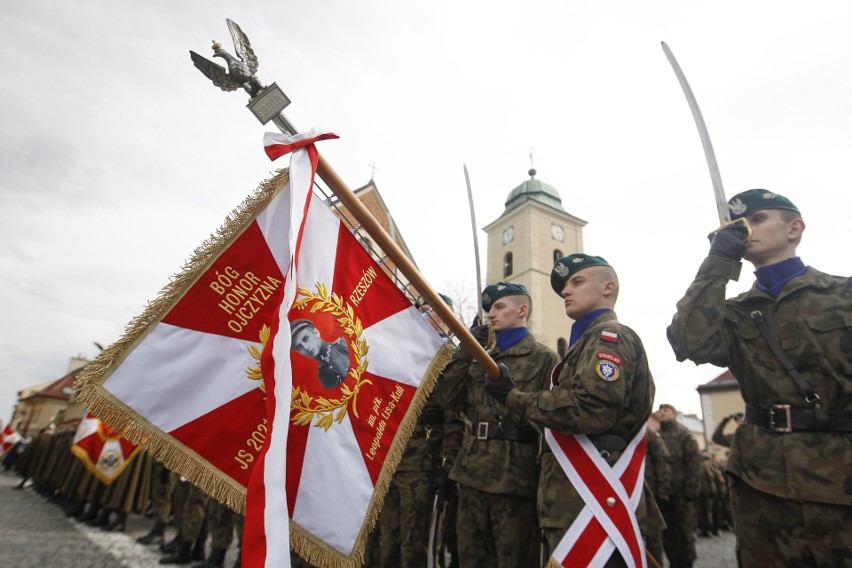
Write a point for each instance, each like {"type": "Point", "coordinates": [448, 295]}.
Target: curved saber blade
{"type": "Point", "coordinates": [475, 241]}
{"type": "Point", "coordinates": [718, 190]}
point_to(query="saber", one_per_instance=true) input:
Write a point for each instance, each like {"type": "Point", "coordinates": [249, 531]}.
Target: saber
{"type": "Point", "coordinates": [475, 242]}
{"type": "Point", "coordinates": [709, 154]}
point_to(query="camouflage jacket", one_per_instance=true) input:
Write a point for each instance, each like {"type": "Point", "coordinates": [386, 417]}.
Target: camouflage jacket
{"type": "Point", "coordinates": [658, 472]}
{"type": "Point", "coordinates": [602, 387]}
{"type": "Point", "coordinates": [811, 320]}
{"type": "Point", "coordinates": [684, 459]}
{"type": "Point", "coordinates": [494, 465]}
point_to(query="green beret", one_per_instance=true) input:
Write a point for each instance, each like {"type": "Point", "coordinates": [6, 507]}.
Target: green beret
{"type": "Point", "coordinates": [745, 203]}
{"type": "Point", "coordinates": [569, 265]}
{"type": "Point", "coordinates": [500, 290]}
{"type": "Point", "coordinates": [447, 299]}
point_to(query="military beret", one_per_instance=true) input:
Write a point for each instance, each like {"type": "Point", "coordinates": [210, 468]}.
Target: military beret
{"type": "Point", "coordinates": [745, 203]}
{"type": "Point", "coordinates": [424, 302]}
{"type": "Point", "coordinates": [500, 290]}
{"type": "Point", "coordinates": [569, 265]}
{"type": "Point", "coordinates": [447, 299]}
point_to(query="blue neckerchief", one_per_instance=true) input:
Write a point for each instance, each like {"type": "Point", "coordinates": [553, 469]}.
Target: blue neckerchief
{"type": "Point", "coordinates": [582, 323]}
{"type": "Point", "coordinates": [508, 338]}
{"type": "Point", "coordinates": [772, 279]}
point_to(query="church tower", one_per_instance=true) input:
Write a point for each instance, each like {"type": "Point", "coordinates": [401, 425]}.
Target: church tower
{"type": "Point", "coordinates": [523, 245]}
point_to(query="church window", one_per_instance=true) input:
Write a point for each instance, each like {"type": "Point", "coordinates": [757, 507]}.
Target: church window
{"type": "Point", "coordinates": [507, 264]}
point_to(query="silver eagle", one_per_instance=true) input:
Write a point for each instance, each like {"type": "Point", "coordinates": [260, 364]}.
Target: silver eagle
{"type": "Point", "coordinates": [241, 71]}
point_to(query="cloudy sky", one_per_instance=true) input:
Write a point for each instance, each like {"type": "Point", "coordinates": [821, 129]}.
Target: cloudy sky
{"type": "Point", "coordinates": [118, 158]}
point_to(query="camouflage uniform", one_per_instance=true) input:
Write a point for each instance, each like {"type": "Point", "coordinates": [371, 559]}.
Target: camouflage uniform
{"type": "Point", "coordinates": [658, 477]}
{"type": "Point", "coordinates": [496, 467]}
{"type": "Point", "coordinates": [791, 491]}
{"type": "Point", "coordinates": [680, 515]}
{"type": "Point", "coordinates": [408, 504]}
{"type": "Point", "coordinates": [707, 496]}
{"type": "Point", "coordinates": [582, 402]}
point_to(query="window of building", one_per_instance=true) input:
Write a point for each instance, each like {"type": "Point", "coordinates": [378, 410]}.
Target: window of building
{"type": "Point", "coordinates": [507, 264]}
{"type": "Point", "coordinates": [557, 254]}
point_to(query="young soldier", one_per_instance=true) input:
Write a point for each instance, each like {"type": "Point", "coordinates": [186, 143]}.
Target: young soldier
{"type": "Point", "coordinates": [598, 405]}
{"type": "Point", "coordinates": [788, 341]}
{"type": "Point", "coordinates": [496, 468]}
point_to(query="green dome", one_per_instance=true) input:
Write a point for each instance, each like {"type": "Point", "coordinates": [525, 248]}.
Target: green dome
{"type": "Point", "coordinates": [534, 189]}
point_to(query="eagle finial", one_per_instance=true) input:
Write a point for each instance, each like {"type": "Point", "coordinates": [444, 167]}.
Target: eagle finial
{"type": "Point", "coordinates": [241, 71]}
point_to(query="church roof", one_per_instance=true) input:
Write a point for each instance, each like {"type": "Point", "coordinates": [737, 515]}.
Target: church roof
{"type": "Point", "coordinates": [536, 190]}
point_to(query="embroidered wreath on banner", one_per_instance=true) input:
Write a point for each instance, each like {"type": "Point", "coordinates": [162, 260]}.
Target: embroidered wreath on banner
{"type": "Point", "coordinates": [330, 410]}
{"type": "Point", "coordinates": [254, 373]}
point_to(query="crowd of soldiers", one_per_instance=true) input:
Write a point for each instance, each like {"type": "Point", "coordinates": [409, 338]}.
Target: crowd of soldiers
{"type": "Point", "coordinates": [144, 487]}
{"type": "Point", "coordinates": [483, 481]}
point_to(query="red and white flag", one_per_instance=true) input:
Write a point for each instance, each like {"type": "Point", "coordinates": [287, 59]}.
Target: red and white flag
{"type": "Point", "coordinates": [101, 449]}
{"type": "Point", "coordinates": [185, 379]}
{"type": "Point", "coordinates": [611, 495]}
{"type": "Point", "coordinates": [8, 439]}
{"type": "Point", "coordinates": [342, 369]}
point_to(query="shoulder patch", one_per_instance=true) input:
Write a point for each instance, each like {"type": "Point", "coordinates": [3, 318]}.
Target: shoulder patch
{"type": "Point", "coordinates": [609, 336]}
{"type": "Point", "coordinates": [609, 357]}
{"type": "Point", "coordinates": [607, 370]}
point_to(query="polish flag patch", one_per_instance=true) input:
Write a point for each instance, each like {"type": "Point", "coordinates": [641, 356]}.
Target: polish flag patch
{"type": "Point", "coordinates": [609, 336]}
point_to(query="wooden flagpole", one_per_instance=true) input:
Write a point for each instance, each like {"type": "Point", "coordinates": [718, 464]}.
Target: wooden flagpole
{"type": "Point", "coordinates": [336, 184]}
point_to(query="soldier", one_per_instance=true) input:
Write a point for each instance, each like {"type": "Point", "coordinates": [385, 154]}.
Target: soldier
{"type": "Point", "coordinates": [496, 467]}
{"type": "Point", "coordinates": [707, 496]}
{"type": "Point", "coordinates": [680, 515]}
{"type": "Point", "coordinates": [407, 511]}
{"type": "Point", "coordinates": [658, 476]}
{"type": "Point", "coordinates": [162, 488]}
{"type": "Point", "coordinates": [787, 341]}
{"type": "Point", "coordinates": [600, 400]}
{"type": "Point", "coordinates": [220, 525]}
{"type": "Point", "coordinates": [719, 436]}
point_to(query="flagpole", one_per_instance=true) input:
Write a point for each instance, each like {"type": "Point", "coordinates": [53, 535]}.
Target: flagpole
{"type": "Point", "coordinates": [267, 104]}
{"type": "Point", "coordinates": [391, 249]}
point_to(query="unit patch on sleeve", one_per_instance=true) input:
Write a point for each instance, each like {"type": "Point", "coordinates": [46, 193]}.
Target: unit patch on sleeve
{"type": "Point", "coordinates": [607, 370]}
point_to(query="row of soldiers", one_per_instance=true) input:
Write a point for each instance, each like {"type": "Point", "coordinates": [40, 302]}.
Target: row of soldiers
{"type": "Point", "coordinates": [144, 487]}
{"type": "Point", "coordinates": [787, 341]}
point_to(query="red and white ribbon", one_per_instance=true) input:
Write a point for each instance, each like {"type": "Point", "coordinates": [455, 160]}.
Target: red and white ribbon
{"type": "Point", "coordinates": [611, 494]}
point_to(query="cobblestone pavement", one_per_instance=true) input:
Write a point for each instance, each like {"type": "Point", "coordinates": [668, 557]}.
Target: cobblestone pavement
{"type": "Point", "coordinates": [35, 533]}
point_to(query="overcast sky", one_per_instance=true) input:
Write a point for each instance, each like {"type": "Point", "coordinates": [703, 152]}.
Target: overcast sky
{"type": "Point", "coordinates": [118, 158]}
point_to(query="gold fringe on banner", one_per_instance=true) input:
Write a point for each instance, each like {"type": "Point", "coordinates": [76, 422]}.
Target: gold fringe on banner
{"type": "Point", "coordinates": [125, 420]}
{"type": "Point", "coordinates": [319, 552]}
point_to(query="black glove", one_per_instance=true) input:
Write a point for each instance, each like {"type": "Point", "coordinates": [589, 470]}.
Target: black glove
{"type": "Point", "coordinates": [480, 332]}
{"type": "Point", "coordinates": [444, 486]}
{"type": "Point", "coordinates": [499, 389]}
{"type": "Point", "coordinates": [729, 242]}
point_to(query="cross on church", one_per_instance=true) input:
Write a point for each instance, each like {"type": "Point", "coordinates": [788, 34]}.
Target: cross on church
{"type": "Point", "coordinates": [373, 169]}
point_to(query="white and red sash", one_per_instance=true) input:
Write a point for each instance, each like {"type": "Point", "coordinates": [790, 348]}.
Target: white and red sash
{"type": "Point", "coordinates": [611, 494]}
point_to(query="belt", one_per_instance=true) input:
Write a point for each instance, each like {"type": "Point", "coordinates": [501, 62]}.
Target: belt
{"type": "Point", "coordinates": [784, 418]}
{"type": "Point", "coordinates": [500, 431]}
{"type": "Point", "coordinates": [605, 443]}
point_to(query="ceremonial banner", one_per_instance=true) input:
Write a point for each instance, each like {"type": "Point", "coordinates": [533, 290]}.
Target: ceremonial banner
{"type": "Point", "coordinates": [356, 351]}
{"type": "Point", "coordinates": [101, 449]}
{"type": "Point", "coordinates": [8, 439]}
{"type": "Point", "coordinates": [184, 380]}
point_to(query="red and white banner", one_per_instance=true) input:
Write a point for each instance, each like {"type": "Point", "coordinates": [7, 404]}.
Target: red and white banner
{"type": "Point", "coordinates": [8, 439]}
{"type": "Point", "coordinates": [101, 449]}
{"type": "Point", "coordinates": [611, 495]}
{"type": "Point", "coordinates": [342, 367]}
{"type": "Point", "coordinates": [186, 379]}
